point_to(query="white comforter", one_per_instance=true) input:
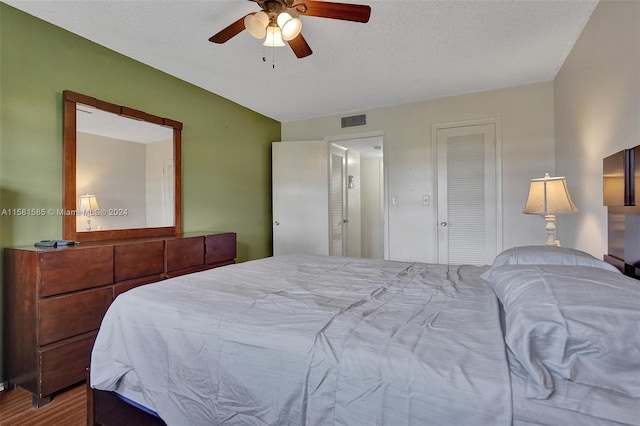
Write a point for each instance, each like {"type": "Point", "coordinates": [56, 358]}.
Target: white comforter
{"type": "Point", "coordinates": [308, 340]}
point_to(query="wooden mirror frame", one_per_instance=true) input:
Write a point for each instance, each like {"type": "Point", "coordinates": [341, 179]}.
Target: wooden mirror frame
{"type": "Point", "coordinates": [69, 229]}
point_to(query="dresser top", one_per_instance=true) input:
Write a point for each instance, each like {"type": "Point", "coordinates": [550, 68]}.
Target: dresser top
{"type": "Point", "coordinates": [120, 241]}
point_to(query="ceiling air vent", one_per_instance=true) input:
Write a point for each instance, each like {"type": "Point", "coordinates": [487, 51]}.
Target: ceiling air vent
{"type": "Point", "coordinates": [354, 120]}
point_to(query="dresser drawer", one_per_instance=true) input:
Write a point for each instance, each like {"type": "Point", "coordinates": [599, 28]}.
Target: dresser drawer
{"type": "Point", "coordinates": [220, 248]}
{"type": "Point", "coordinates": [65, 364]}
{"type": "Point", "coordinates": [65, 270]}
{"type": "Point", "coordinates": [185, 253]}
{"type": "Point", "coordinates": [138, 260]}
{"type": "Point", "coordinates": [66, 316]}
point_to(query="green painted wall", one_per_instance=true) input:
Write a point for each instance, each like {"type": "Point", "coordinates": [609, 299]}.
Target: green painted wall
{"type": "Point", "coordinates": [226, 148]}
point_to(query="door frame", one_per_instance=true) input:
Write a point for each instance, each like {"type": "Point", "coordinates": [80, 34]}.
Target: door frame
{"type": "Point", "coordinates": [385, 176]}
{"type": "Point", "coordinates": [497, 122]}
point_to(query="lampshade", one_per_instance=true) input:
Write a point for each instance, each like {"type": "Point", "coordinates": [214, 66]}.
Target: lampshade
{"type": "Point", "coordinates": [274, 37]}
{"type": "Point", "coordinates": [289, 25]}
{"type": "Point", "coordinates": [549, 195]}
{"type": "Point", "coordinates": [88, 203]}
{"type": "Point", "coordinates": [256, 24]}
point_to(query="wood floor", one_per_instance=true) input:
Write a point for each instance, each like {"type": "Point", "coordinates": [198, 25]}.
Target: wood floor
{"type": "Point", "coordinates": [69, 408]}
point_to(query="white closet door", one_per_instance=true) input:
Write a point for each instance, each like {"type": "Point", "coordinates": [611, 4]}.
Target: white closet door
{"type": "Point", "coordinates": [337, 203]}
{"type": "Point", "coordinates": [467, 210]}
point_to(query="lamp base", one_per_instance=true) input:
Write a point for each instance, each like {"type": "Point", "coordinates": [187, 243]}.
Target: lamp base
{"type": "Point", "coordinates": [551, 231]}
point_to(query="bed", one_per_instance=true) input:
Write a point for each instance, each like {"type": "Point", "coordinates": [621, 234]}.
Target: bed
{"type": "Point", "coordinates": [545, 335]}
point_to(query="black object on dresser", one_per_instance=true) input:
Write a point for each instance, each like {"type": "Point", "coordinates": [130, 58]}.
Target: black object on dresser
{"type": "Point", "coordinates": [621, 195]}
{"type": "Point", "coordinates": [55, 298]}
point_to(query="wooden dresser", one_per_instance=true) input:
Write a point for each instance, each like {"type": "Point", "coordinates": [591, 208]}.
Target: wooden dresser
{"type": "Point", "coordinates": [55, 298]}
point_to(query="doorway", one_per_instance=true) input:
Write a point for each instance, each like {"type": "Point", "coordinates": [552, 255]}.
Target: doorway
{"type": "Point", "coordinates": [365, 197]}
{"type": "Point", "coordinates": [329, 197]}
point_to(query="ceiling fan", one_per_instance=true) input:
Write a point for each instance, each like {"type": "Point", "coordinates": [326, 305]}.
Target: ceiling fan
{"type": "Point", "coordinates": [279, 20]}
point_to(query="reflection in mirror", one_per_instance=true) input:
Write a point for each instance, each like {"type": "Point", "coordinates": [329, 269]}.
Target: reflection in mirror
{"type": "Point", "coordinates": [121, 171]}
{"type": "Point", "coordinates": [127, 165]}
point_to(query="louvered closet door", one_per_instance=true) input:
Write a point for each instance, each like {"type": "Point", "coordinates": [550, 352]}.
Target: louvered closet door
{"type": "Point", "coordinates": [337, 204]}
{"type": "Point", "coordinates": [467, 229]}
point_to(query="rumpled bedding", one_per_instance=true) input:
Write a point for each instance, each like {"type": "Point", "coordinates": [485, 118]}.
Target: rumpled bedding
{"type": "Point", "coordinates": [312, 340]}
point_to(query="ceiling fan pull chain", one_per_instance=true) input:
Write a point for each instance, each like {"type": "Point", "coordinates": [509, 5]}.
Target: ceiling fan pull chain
{"type": "Point", "coordinates": [273, 57]}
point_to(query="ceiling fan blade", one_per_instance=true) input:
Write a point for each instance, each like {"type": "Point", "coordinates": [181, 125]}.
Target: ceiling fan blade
{"type": "Point", "coordinates": [300, 47]}
{"type": "Point", "coordinates": [229, 32]}
{"type": "Point", "coordinates": [325, 9]}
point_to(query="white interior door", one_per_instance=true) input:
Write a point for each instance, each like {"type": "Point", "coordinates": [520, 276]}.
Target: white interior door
{"type": "Point", "coordinates": [338, 202]}
{"type": "Point", "coordinates": [354, 205]}
{"type": "Point", "coordinates": [300, 197]}
{"type": "Point", "coordinates": [467, 194]}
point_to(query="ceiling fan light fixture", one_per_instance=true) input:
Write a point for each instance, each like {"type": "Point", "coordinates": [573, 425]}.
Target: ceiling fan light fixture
{"type": "Point", "coordinates": [256, 24]}
{"type": "Point", "coordinates": [289, 26]}
{"type": "Point", "coordinates": [279, 19]}
{"type": "Point", "coordinates": [274, 37]}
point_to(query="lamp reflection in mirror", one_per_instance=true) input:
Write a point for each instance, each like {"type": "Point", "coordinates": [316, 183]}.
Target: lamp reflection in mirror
{"type": "Point", "coordinates": [549, 196]}
{"type": "Point", "coordinates": [88, 205]}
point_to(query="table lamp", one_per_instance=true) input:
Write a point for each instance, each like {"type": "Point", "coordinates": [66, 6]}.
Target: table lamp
{"type": "Point", "coordinates": [549, 196]}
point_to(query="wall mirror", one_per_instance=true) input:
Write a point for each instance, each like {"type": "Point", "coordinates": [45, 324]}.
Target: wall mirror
{"type": "Point", "coordinates": [121, 171]}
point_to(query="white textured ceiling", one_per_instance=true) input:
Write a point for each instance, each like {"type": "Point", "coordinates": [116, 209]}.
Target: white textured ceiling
{"type": "Point", "coordinates": [409, 51]}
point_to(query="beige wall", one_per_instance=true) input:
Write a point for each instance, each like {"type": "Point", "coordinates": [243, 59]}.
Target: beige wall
{"type": "Point", "coordinates": [114, 171]}
{"type": "Point", "coordinates": [526, 114]}
{"type": "Point", "coordinates": [597, 113]}
{"type": "Point", "coordinates": [126, 177]}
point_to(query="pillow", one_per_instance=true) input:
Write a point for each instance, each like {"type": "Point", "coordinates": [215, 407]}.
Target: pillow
{"type": "Point", "coordinates": [577, 323]}
{"type": "Point", "coordinates": [549, 255]}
